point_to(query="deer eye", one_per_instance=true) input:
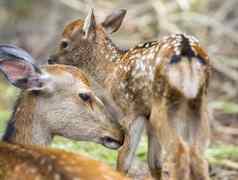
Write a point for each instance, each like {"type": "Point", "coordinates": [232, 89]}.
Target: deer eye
{"type": "Point", "coordinates": [64, 44]}
{"type": "Point", "coordinates": [85, 97]}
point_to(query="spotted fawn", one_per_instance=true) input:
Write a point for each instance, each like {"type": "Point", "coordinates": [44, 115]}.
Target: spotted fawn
{"type": "Point", "coordinates": [162, 84]}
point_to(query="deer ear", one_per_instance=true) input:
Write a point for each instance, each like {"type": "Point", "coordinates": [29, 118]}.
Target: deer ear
{"type": "Point", "coordinates": [89, 24]}
{"type": "Point", "coordinates": [15, 52]}
{"type": "Point", "coordinates": [19, 72]}
{"type": "Point", "coordinates": [113, 21]}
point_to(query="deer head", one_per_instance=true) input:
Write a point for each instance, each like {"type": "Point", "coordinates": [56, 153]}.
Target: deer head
{"type": "Point", "coordinates": [82, 40]}
{"type": "Point", "coordinates": [56, 100]}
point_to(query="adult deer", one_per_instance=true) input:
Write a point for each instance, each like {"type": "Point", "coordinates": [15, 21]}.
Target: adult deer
{"type": "Point", "coordinates": [56, 100]}
{"type": "Point", "coordinates": [163, 83]}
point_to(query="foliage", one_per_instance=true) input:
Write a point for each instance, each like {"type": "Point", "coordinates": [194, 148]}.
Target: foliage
{"type": "Point", "coordinates": [227, 107]}
{"type": "Point", "coordinates": [4, 115]}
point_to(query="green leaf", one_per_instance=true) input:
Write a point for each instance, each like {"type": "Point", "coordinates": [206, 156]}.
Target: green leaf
{"type": "Point", "coordinates": [227, 107]}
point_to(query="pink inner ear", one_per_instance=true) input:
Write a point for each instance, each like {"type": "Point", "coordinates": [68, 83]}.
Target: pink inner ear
{"type": "Point", "coordinates": [16, 69]}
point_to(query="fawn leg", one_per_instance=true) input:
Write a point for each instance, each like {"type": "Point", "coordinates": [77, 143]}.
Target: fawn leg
{"type": "Point", "coordinates": [171, 151]}
{"type": "Point", "coordinates": [153, 155]}
{"type": "Point", "coordinates": [160, 137]}
{"type": "Point", "coordinates": [131, 141]}
{"type": "Point", "coordinates": [199, 165]}
{"type": "Point", "coordinates": [201, 131]}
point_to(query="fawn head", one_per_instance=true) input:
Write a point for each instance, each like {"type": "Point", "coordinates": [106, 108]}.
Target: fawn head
{"type": "Point", "coordinates": [81, 38]}
{"type": "Point", "coordinates": [64, 101]}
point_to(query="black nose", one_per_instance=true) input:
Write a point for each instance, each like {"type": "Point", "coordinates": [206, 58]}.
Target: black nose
{"type": "Point", "coordinates": [111, 143]}
{"type": "Point", "coordinates": [51, 61]}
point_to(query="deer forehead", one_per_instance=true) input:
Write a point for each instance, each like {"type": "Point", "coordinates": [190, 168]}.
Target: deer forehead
{"type": "Point", "coordinates": [76, 26]}
{"type": "Point", "coordinates": [72, 27]}
{"type": "Point", "coordinates": [67, 75]}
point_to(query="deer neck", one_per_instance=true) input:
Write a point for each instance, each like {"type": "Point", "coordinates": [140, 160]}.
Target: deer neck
{"type": "Point", "coordinates": [23, 127]}
{"type": "Point", "coordinates": [106, 56]}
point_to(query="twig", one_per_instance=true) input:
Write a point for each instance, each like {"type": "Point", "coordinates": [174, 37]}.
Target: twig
{"type": "Point", "coordinates": [225, 130]}
{"type": "Point", "coordinates": [77, 5]}
{"type": "Point", "coordinates": [229, 72]}
{"type": "Point", "coordinates": [224, 162]}
{"type": "Point", "coordinates": [224, 9]}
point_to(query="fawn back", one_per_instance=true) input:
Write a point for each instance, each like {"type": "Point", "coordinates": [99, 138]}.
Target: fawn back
{"type": "Point", "coordinates": [130, 74]}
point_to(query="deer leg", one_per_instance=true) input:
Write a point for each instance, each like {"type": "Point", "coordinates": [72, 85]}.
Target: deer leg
{"type": "Point", "coordinates": [199, 166]}
{"type": "Point", "coordinates": [132, 138]}
{"type": "Point", "coordinates": [173, 153]}
{"type": "Point", "coordinates": [182, 161]}
{"type": "Point", "coordinates": [199, 131]}
{"type": "Point", "coordinates": [154, 151]}
{"type": "Point", "coordinates": [161, 137]}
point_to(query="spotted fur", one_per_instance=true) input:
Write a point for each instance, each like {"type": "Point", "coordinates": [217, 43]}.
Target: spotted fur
{"type": "Point", "coordinates": [164, 81]}
{"type": "Point", "coordinates": [21, 162]}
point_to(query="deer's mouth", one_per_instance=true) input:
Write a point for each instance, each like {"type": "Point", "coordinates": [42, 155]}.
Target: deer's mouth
{"type": "Point", "coordinates": [111, 143]}
{"type": "Point", "coordinates": [52, 61]}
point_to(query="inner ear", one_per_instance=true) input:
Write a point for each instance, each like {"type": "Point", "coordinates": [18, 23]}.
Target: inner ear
{"type": "Point", "coordinates": [20, 73]}
{"type": "Point", "coordinates": [89, 24]}
{"type": "Point", "coordinates": [15, 70]}
{"type": "Point", "coordinates": [113, 21]}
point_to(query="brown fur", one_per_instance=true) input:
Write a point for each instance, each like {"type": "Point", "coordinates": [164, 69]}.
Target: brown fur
{"type": "Point", "coordinates": [56, 100]}
{"type": "Point", "coordinates": [72, 27]}
{"type": "Point", "coordinates": [142, 84]}
{"type": "Point", "coordinates": [58, 70]}
{"type": "Point", "coordinates": [58, 110]}
{"type": "Point", "coordinates": [23, 126]}
{"type": "Point", "coordinates": [20, 162]}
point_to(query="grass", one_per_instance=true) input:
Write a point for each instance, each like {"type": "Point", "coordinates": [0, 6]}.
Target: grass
{"type": "Point", "coordinates": [96, 151]}
{"type": "Point", "coordinates": [4, 115]}
{"type": "Point", "coordinates": [223, 152]}
{"type": "Point", "coordinates": [87, 148]}
{"type": "Point", "coordinates": [226, 107]}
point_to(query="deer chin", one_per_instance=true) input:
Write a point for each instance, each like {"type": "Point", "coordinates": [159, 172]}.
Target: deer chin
{"type": "Point", "coordinates": [111, 143]}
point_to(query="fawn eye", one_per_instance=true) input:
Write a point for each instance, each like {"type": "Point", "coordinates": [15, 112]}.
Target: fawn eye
{"type": "Point", "coordinates": [85, 97]}
{"type": "Point", "coordinates": [64, 44]}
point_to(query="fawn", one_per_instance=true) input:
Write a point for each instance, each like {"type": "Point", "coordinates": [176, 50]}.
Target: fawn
{"type": "Point", "coordinates": [160, 83]}
{"type": "Point", "coordinates": [27, 162]}
{"type": "Point", "coordinates": [56, 100]}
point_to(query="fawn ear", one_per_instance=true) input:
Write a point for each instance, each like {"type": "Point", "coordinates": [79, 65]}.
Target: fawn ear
{"type": "Point", "coordinates": [89, 24]}
{"type": "Point", "coordinates": [20, 72]}
{"type": "Point", "coordinates": [113, 21]}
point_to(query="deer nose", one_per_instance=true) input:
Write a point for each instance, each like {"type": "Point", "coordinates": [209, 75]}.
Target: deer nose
{"type": "Point", "coordinates": [51, 61]}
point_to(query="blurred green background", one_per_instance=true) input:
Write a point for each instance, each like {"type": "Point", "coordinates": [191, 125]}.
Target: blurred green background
{"type": "Point", "coordinates": [37, 26]}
